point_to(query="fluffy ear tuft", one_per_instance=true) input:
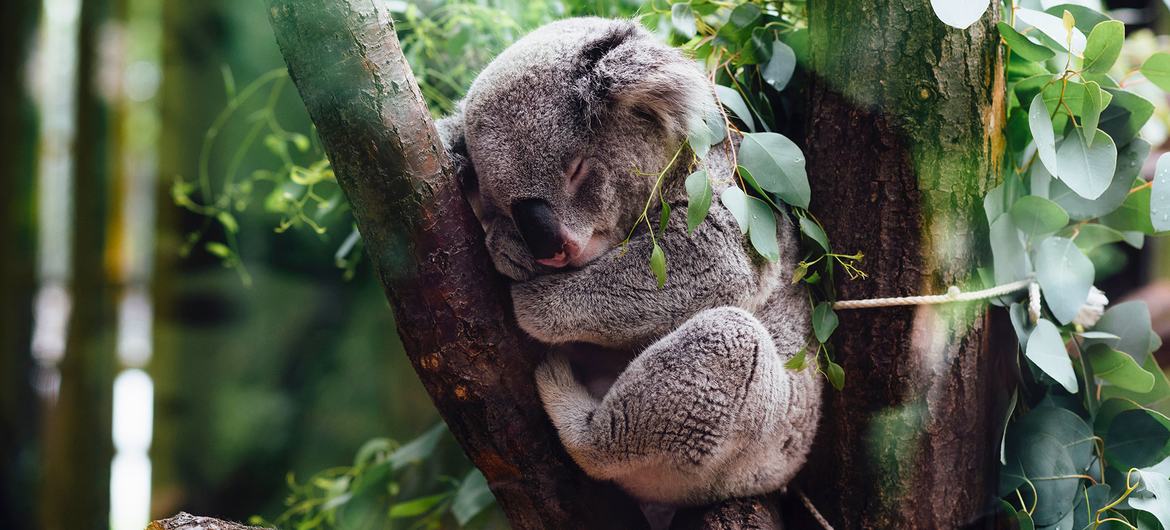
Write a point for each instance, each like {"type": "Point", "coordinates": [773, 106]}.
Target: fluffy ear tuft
{"type": "Point", "coordinates": [626, 70]}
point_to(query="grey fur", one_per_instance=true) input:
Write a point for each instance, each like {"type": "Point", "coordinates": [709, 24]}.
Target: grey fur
{"type": "Point", "coordinates": [707, 410]}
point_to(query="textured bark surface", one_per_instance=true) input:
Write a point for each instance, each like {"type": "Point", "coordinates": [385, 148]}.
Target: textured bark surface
{"type": "Point", "coordinates": [904, 139]}
{"type": "Point", "coordinates": [186, 521]}
{"type": "Point", "coordinates": [426, 247]}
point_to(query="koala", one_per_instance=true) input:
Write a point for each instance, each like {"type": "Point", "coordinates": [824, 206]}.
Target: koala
{"type": "Point", "coordinates": [558, 145]}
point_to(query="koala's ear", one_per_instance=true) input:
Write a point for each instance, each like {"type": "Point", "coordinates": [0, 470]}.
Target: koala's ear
{"type": "Point", "coordinates": [451, 133]}
{"type": "Point", "coordinates": [625, 70]}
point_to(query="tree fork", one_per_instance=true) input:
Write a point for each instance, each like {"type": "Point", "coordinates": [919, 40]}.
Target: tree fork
{"type": "Point", "coordinates": [906, 133]}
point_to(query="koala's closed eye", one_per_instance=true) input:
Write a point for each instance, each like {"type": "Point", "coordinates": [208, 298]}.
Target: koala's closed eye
{"type": "Point", "coordinates": [577, 172]}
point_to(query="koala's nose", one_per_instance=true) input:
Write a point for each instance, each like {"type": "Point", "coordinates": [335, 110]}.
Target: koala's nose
{"type": "Point", "coordinates": [539, 227]}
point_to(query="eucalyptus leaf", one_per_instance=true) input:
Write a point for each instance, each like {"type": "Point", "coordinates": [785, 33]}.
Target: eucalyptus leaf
{"type": "Point", "coordinates": [1086, 169]}
{"type": "Point", "coordinates": [814, 232]}
{"type": "Point", "coordinates": [762, 229]}
{"type": "Point", "coordinates": [683, 20]}
{"type": "Point", "coordinates": [1157, 70]}
{"type": "Point", "coordinates": [1125, 115]}
{"type": "Point", "coordinates": [472, 497]}
{"type": "Point", "coordinates": [418, 449]}
{"type": "Point", "coordinates": [824, 321]}
{"type": "Point", "coordinates": [735, 200]}
{"type": "Point", "coordinates": [699, 195]}
{"type": "Point", "coordinates": [777, 165]}
{"type": "Point", "coordinates": [1091, 111]}
{"type": "Point", "coordinates": [778, 72]}
{"type": "Point", "coordinates": [836, 375]}
{"type": "Point", "coordinates": [1136, 438]}
{"type": "Point", "coordinates": [1160, 195]}
{"type": "Point", "coordinates": [1104, 46]}
{"type": "Point", "coordinates": [1131, 322]}
{"type": "Point", "coordinates": [1046, 350]}
{"type": "Point", "coordinates": [1040, 123]}
{"type": "Point", "coordinates": [1129, 163]}
{"type": "Point", "coordinates": [959, 14]}
{"type": "Point", "coordinates": [1133, 214]}
{"type": "Point", "coordinates": [731, 99]}
{"type": "Point", "coordinates": [1044, 456]}
{"type": "Point", "coordinates": [1009, 258]}
{"type": "Point", "coordinates": [416, 507]}
{"type": "Point", "coordinates": [1065, 276]}
{"type": "Point", "coordinates": [1156, 501]}
{"type": "Point", "coordinates": [1023, 46]}
{"type": "Point", "coordinates": [1071, 39]}
{"type": "Point", "coordinates": [799, 361]}
{"type": "Point", "coordinates": [658, 264]}
{"type": "Point", "coordinates": [1036, 215]}
{"type": "Point", "coordinates": [1091, 236]}
{"type": "Point", "coordinates": [1119, 369]}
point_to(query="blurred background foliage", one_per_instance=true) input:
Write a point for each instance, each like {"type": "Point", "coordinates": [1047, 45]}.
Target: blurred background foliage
{"type": "Point", "coordinates": [281, 364]}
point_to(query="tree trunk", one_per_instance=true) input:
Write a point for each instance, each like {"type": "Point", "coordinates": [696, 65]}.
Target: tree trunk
{"type": "Point", "coordinates": [903, 141]}
{"type": "Point", "coordinates": [452, 309]}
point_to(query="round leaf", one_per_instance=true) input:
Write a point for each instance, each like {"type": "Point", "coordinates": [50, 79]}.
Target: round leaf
{"type": "Point", "coordinates": [762, 229]}
{"type": "Point", "coordinates": [1036, 215]}
{"type": "Point", "coordinates": [824, 321]}
{"type": "Point", "coordinates": [1040, 123]}
{"type": "Point", "coordinates": [1065, 275]}
{"type": "Point", "coordinates": [1104, 46]}
{"type": "Point", "coordinates": [683, 20]}
{"type": "Point", "coordinates": [735, 200]}
{"type": "Point", "coordinates": [1136, 438]}
{"type": "Point", "coordinates": [731, 99]}
{"type": "Point", "coordinates": [1071, 39]}
{"type": "Point", "coordinates": [777, 165]}
{"type": "Point", "coordinates": [1119, 369]}
{"type": "Point", "coordinates": [959, 13]}
{"type": "Point", "coordinates": [779, 69]}
{"type": "Point", "coordinates": [1157, 70]}
{"type": "Point", "coordinates": [1087, 170]}
{"type": "Point", "coordinates": [1160, 195]}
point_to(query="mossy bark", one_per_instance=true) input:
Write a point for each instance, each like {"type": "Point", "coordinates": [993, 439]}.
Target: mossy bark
{"type": "Point", "coordinates": [904, 139]}
{"type": "Point", "coordinates": [451, 307]}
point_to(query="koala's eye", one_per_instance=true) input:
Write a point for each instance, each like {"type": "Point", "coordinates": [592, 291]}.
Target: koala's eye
{"type": "Point", "coordinates": [577, 171]}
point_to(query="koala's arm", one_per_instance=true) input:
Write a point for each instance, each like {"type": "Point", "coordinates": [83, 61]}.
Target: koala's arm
{"type": "Point", "coordinates": [615, 300]}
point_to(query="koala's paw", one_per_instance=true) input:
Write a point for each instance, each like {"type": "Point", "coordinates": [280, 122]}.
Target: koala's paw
{"type": "Point", "coordinates": [535, 314]}
{"type": "Point", "coordinates": [555, 381]}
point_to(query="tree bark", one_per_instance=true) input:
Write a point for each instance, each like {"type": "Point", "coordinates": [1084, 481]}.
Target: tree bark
{"type": "Point", "coordinates": [904, 139]}
{"type": "Point", "coordinates": [452, 309]}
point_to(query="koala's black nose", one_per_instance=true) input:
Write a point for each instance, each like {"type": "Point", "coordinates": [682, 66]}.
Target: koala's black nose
{"type": "Point", "coordinates": [539, 227]}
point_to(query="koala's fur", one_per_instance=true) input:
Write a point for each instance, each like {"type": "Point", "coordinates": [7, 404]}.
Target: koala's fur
{"type": "Point", "coordinates": [706, 410]}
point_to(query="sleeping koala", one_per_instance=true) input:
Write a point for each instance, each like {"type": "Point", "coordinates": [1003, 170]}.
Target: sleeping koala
{"type": "Point", "coordinates": [558, 145]}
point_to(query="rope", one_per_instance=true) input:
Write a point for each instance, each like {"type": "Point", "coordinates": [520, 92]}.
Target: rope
{"type": "Point", "coordinates": [953, 295]}
{"type": "Point", "coordinates": [812, 510]}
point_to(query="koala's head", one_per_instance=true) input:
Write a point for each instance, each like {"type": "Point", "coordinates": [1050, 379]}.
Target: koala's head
{"type": "Point", "coordinates": [560, 138]}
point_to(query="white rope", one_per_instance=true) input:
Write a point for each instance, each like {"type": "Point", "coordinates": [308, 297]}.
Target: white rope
{"type": "Point", "coordinates": [953, 295]}
{"type": "Point", "coordinates": [812, 510]}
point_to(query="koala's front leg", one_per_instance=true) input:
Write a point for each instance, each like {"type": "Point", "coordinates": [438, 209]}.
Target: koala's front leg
{"type": "Point", "coordinates": [615, 300]}
{"type": "Point", "coordinates": [707, 412]}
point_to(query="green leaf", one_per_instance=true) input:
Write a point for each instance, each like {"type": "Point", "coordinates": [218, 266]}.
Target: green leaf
{"type": "Point", "coordinates": [814, 232]}
{"type": "Point", "coordinates": [1125, 115]}
{"type": "Point", "coordinates": [698, 199]}
{"type": "Point", "coordinates": [735, 200]}
{"type": "Point", "coordinates": [1119, 369]}
{"type": "Point", "coordinates": [778, 72]}
{"type": "Point", "coordinates": [418, 449]}
{"type": "Point", "coordinates": [663, 217]}
{"type": "Point", "coordinates": [370, 450]}
{"type": "Point", "coordinates": [218, 249]}
{"type": "Point", "coordinates": [472, 497]}
{"type": "Point", "coordinates": [1022, 45]}
{"type": "Point", "coordinates": [658, 264]}
{"type": "Point", "coordinates": [416, 507]}
{"type": "Point", "coordinates": [1131, 322]}
{"type": "Point", "coordinates": [1009, 258]}
{"type": "Point", "coordinates": [836, 375]}
{"type": "Point", "coordinates": [1060, 424]}
{"type": "Point", "coordinates": [1133, 214]}
{"type": "Point", "coordinates": [731, 99]}
{"type": "Point", "coordinates": [798, 361]}
{"type": "Point", "coordinates": [228, 221]}
{"type": "Point", "coordinates": [1071, 39]}
{"type": "Point", "coordinates": [1044, 456]}
{"type": "Point", "coordinates": [1035, 216]}
{"type": "Point", "coordinates": [777, 165]}
{"type": "Point", "coordinates": [1157, 499]}
{"type": "Point", "coordinates": [1157, 399]}
{"type": "Point", "coordinates": [1087, 170]}
{"type": "Point", "coordinates": [1157, 70]}
{"type": "Point", "coordinates": [1129, 163]}
{"type": "Point", "coordinates": [708, 131]}
{"type": "Point", "coordinates": [824, 321]}
{"type": "Point", "coordinates": [1104, 46]}
{"type": "Point", "coordinates": [1040, 123]}
{"type": "Point", "coordinates": [1065, 276]}
{"type": "Point", "coordinates": [1136, 438]}
{"type": "Point", "coordinates": [762, 229]}
{"type": "Point", "coordinates": [1094, 102]}
{"type": "Point", "coordinates": [745, 15]}
{"type": "Point", "coordinates": [1091, 236]}
{"type": "Point", "coordinates": [1046, 350]}
{"type": "Point", "coordinates": [1160, 195]}
{"type": "Point", "coordinates": [683, 20]}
